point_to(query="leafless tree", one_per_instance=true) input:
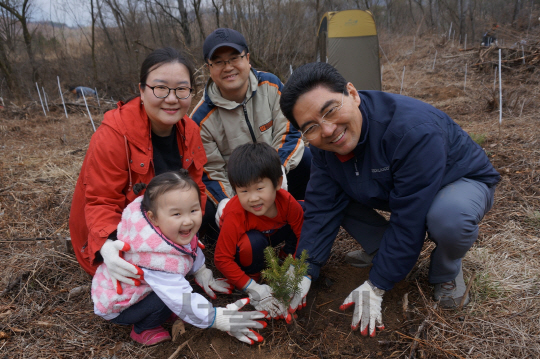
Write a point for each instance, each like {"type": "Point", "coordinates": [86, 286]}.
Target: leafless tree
{"type": "Point", "coordinates": [21, 11]}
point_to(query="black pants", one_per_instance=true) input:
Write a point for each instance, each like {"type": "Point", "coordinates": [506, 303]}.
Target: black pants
{"type": "Point", "coordinates": [147, 314]}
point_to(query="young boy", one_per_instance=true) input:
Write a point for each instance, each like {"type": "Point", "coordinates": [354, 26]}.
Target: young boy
{"type": "Point", "coordinates": [260, 215]}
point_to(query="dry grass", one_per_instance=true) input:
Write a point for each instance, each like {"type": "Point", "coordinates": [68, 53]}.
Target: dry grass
{"type": "Point", "coordinates": [39, 163]}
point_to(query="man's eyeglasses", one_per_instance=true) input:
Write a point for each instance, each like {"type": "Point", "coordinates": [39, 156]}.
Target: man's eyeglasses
{"type": "Point", "coordinates": [163, 91]}
{"type": "Point", "coordinates": [233, 60]}
{"type": "Point", "coordinates": [314, 131]}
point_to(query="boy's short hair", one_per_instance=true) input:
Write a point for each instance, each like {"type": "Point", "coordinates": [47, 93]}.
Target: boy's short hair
{"type": "Point", "coordinates": [252, 162]}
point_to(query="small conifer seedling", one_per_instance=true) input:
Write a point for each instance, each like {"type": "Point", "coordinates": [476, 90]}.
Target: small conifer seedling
{"type": "Point", "coordinates": [283, 284]}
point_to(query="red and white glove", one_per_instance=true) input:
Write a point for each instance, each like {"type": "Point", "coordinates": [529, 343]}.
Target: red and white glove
{"type": "Point", "coordinates": [261, 298]}
{"type": "Point", "coordinates": [205, 279]}
{"type": "Point", "coordinates": [298, 301]}
{"type": "Point", "coordinates": [238, 324]}
{"type": "Point", "coordinates": [220, 208]}
{"type": "Point", "coordinates": [367, 312]}
{"type": "Point", "coordinates": [119, 269]}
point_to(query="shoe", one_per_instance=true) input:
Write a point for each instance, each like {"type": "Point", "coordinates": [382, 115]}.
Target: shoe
{"type": "Point", "coordinates": [151, 336]}
{"type": "Point", "coordinates": [450, 294]}
{"type": "Point", "coordinates": [359, 258]}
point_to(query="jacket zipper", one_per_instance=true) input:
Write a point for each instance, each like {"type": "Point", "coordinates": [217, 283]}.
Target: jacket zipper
{"type": "Point", "coordinates": [248, 123]}
{"type": "Point", "coordinates": [355, 167]}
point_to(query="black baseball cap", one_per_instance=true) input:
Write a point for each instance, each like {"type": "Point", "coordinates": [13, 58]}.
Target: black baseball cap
{"type": "Point", "coordinates": [223, 37]}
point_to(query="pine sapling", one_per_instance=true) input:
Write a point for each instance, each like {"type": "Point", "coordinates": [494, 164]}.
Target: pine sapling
{"type": "Point", "coordinates": [279, 278]}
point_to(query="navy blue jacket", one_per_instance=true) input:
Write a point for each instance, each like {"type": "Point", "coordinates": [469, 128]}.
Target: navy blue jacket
{"type": "Point", "coordinates": [408, 151]}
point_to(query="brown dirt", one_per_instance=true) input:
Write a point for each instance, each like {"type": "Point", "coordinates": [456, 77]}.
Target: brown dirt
{"type": "Point", "coordinates": [39, 318]}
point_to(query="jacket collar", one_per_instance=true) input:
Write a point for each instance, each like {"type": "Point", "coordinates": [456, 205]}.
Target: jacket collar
{"type": "Point", "coordinates": [212, 95]}
{"type": "Point", "coordinates": [130, 120]}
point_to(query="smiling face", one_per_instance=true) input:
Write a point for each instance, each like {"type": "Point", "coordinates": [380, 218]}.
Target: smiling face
{"type": "Point", "coordinates": [259, 197]}
{"type": "Point", "coordinates": [340, 136]}
{"type": "Point", "coordinates": [164, 113]}
{"type": "Point", "coordinates": [232, 80]}
{"type": "Point", "coordinates": [179, 215]}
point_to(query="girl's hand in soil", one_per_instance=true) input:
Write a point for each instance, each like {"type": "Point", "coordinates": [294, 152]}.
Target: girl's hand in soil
{"type": "Point", "coordinates": [367, 311]}
{"type": "Point", "coordinates": [238, 324]}
{"type": "Point", "coordinates": [119, 269]}
{"type": "Point", "coordinates": [262, 299]}
{"type": "Point", "coordinates": [205, 280]}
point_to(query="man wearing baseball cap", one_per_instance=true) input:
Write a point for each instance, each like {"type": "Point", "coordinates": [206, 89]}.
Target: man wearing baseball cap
{"type": "Point", "coordinates": [241, 105]}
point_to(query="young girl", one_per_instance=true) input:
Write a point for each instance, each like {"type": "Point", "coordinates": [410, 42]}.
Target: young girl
{"type": "Point", "coordinates": [159, 231]}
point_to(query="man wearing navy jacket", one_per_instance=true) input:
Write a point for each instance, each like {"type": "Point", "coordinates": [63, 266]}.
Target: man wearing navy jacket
{"type": "Point", "coordinates": [375, 150]}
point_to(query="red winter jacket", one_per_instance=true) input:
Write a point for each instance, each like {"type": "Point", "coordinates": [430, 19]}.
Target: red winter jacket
{"type": "Point", "coordinates": [105, 184]}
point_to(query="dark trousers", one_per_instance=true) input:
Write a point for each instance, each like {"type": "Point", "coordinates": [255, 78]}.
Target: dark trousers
{"type": "Point", "coordinates": [451, 222]}
{"type": "Point", "coordinates": [250, 248]}
{"type": "Point", "coordinates": [298, 178]}
{"type": "Point", "coordinates": [147, 314]}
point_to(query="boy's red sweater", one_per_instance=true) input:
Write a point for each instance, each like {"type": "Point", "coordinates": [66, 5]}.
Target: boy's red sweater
{"type": "Point", "coordinates": [236, 221]}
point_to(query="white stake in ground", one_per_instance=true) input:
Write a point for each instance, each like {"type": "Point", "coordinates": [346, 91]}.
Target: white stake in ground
{"type": "Point", "coordinates": [97, 97]}
{"type": "Point", "coordinates": [465, 82]}
{"type": "Point", "coordinates": [402, 77]}
{"type": "Point", "coordinates": [450, 31]}
{"type": "Point", "coordinates": [500, 92]}
{"type": "Point", "coordinates": [435, 59]}
{"type": "Point", "coordinates": [88, 110]}
{"type": "Point", "coordinates": [40, 100]}
{"type": "Point", "coordinates": [61, 95]}
{"type": "Point", "coordinates": [45, 98]}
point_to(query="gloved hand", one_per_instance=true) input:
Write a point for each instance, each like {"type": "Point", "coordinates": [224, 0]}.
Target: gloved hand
{"type": "Point", "coordinates": [261, 298]}
{"type": "Point", "coordinates": [118, 268]}
{"type": "Point", "coordinates": [231, 320]}
{"type": "Point", "coordinates": [298, 301]}
{"type": "Point", "coordinates": [205, 280]}
{"type": "Point", "coordinates": [284, 184]}
{"type": "Point", "coordinates": [367, 311]}
{"type": "Point", "coordinates": [220, 208]}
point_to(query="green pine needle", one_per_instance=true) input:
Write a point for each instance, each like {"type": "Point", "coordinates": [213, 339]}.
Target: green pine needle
{"type": "Point", "coordinates": [283, 285]}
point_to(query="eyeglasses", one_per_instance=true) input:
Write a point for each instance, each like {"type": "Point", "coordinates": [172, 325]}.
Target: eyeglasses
{"type": "Point", "coordinates": [181, 93]}
{"type": "Point", "coordinates": [314, 130]}
{"type": "Point", "coordinates": [233, 60]}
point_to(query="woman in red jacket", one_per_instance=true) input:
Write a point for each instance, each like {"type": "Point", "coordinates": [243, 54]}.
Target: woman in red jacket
{"type": "Point", "coordinates": [148, 135]}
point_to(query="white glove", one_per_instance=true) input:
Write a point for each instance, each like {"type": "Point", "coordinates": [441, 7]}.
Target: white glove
{"type": "Point", "coordinates": [298, 301]}
{"type": "Point", "coordinates": [262, 299]}
{"type": "Point", "coordinates": [231, 320]}
{"type": "Point", "coordinates": [205, 280]}
{"type": "Point", "coordinates": [367, 311]}
{"type": "Point", "coordinates": [119, 269]}
{"type": "Point", "coordinates": [220, 208]}
{"type": "Point", "coordinates": [284, 183]}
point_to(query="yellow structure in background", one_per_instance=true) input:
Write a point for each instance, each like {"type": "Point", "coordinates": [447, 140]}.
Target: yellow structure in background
{"type": "Point", "coordinates": [348, 41]}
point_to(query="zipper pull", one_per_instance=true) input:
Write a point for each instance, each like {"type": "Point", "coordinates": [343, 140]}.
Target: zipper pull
{"type": "Point", "coordinates": [356, 168]}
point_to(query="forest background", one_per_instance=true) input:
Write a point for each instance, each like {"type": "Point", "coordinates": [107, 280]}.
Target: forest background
{"type": "Point", "coordinates": [106, 53]}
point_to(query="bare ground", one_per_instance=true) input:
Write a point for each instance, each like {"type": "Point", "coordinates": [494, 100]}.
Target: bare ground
{"type": "Point", "coordinates": [45, 304]}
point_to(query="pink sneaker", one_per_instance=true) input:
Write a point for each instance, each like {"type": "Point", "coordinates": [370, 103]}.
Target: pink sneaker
{"type": "Point", "coordinates": [151, 336]}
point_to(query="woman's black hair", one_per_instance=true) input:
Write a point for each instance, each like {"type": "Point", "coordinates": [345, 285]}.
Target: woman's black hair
{"type": "Point", "coordinates": [252, 162]}
{"type": "Point", "coordinates": [163, 56]}
{"type": "Point", "coordinates": [307, 78]}
{"type": "Point", "coordinates": [164, 183]}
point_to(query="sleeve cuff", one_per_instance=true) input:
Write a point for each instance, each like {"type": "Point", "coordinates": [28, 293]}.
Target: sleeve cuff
{"type": "Point", "coordinates": [380, 282]}
{"type": "Point", "coordinates": [314, 271]}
